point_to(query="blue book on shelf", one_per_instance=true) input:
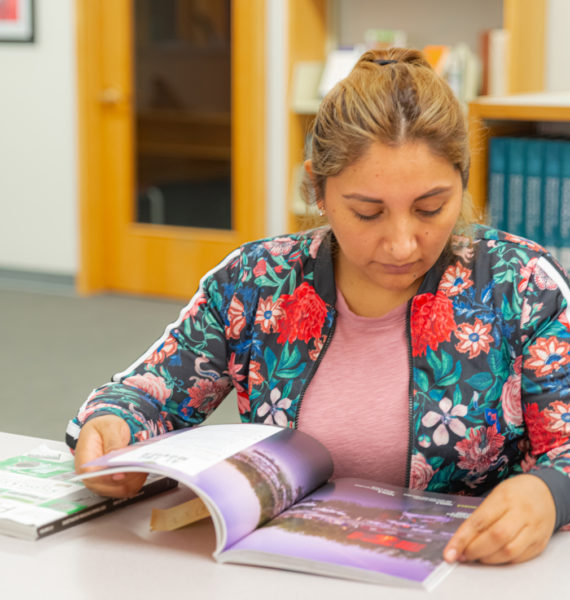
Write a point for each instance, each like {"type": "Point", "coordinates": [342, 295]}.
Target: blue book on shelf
{"type": "Point", "coordinates": [534, 162]}
{"type": "Point", "coordinates": [551, 194]}
{"type": "Point", "coordinates": [515, 185]}
{"type": "Point", "coordinates": [496, 191]}
{"type": "Point", "coordinates": [565, 204]}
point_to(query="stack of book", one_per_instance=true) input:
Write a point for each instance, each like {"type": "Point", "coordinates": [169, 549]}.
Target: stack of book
{"type": "Point", "coordinates": [529, 190]}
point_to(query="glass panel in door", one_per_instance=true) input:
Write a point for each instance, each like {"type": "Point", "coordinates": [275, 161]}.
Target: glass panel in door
{"type": "Point", "coordinates": [182, 112]}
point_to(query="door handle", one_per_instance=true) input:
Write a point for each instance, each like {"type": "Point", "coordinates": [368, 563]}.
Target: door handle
{"type": "Point", "coordinates": [111, 96]}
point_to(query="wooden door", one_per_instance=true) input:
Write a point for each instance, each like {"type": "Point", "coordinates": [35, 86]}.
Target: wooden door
{"type": "Point", "coordinates": [118, 252]}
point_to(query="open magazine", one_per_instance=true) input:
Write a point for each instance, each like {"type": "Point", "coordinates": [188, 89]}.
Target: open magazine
{"type": "Point", "coordinates": [272, 504]}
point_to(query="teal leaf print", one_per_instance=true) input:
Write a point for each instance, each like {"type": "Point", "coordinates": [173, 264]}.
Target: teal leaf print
{"type": "Point", "coordinates": [421, 380]}
{"type": "Point", "coordinates": [480, 381]}
{"type": "Point", "coordinates": [452, 377]}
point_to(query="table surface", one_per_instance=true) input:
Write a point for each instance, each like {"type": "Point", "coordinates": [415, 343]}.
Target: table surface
{"type": "Point", "coordinates": [117, 556]}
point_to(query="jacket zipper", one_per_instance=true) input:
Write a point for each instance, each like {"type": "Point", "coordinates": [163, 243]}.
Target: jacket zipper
{"type": "Point", "coordinates": [410, 394]}
{"type": "Point", "coordinates": [315, 367]}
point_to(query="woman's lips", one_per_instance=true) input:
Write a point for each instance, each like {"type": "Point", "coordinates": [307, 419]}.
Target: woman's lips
{"type": "Point", "coordinates": [396, 269]}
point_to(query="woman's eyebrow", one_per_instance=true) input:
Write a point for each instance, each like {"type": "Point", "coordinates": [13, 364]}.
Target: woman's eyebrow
{"type": "Point", "coordinates": [364, 198]}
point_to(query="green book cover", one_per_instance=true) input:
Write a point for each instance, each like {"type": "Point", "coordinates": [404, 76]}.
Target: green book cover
{"type": "Point", "coordinates": [496, 193]}
{"type": "Point", "coordinates": [533, 189]}
{"type": "Point", "coordinates": [38, 496]}
{"type": "Point", "coordinates": [551, 192]}
{"type": "Point", "coordinates": [516, 186]}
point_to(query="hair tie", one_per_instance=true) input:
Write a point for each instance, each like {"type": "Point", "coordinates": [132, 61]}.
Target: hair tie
{"type": "Point", "coordinates": [382, 61]}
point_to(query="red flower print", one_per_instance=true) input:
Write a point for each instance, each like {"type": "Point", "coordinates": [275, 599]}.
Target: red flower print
{"type": "Point", "coordinates": [150, 384]}
{"type": "Point", "coordinates": [319, 343]}
{"type": "Point", "coordinates": [455, 279]}
{"type": "Point", "coordinates": [511, 396]}
{"type": "Point", "coordinates": [317, 240]}
{"type": "Point", "coordinates": [541, 440]}
{"type": "Point", "coordinates": [236, 318]}
{"type": "Point", "coordinates": [563, 318]}
{"type": "Point", "coordinates": [260, 268]}
{"type": "Point", "coordinates": [268, 313]}
{"type": "Point", "coordinates": [244, 405]}
{"type": "Point", "coordinates": [557, 414]}
{"type": "Point", "coordinates": [480, 449]}
{"type": "Point", "coordinates": [204, 395]}
{"type": "Point", "coordinates": [547, 355]}
{"type": "Point", "coordinates": [526, 271]}
{"type": "Point", "coordinates": [304, 314]}
{"type": "Point", "coordinates": [194, 305]}
{"type": "Point", "coordinates": [473, 338]}
{"type": "Point", "coordinates": [421, 472]}
{"type": "Point", "coordinates": [279, 246]}
{"type": "Point", "coordinates": [543, 280]}
{"type": "Point", "coordinates": [234, 370]}
{"type": "Point", "coordinates": [255, 377]}
{"type": "Point", "coordinates": [523, 242]}
{"type": "Point", "coordinates": [431, 322]}
{"type": "Point", "coordinates": [166, 349]}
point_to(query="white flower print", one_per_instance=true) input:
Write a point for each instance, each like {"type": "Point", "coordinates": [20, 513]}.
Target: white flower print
{"type": "Point", "coordinates": [446, 419]}
{"type": "Point", "coordinates": [275, 409]}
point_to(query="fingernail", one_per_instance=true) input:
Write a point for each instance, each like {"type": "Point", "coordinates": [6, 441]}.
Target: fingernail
{"type": "Point", "coordinates": [118, 476]}
{"type": "Point", "coordinates": [451, 555]}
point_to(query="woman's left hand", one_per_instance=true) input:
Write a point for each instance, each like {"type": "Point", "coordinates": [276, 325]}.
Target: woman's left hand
{"type": "Point", "coordinates": [513, 524]}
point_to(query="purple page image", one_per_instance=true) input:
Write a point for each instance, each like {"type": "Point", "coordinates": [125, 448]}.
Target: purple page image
{"type": "Point", "coordinates": [254, 485]}
{"type": "Point", "coordinates": [361, 524]}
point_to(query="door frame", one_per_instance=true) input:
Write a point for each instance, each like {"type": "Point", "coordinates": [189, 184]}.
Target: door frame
{"type": "Point", "coordinates": [182, 254]}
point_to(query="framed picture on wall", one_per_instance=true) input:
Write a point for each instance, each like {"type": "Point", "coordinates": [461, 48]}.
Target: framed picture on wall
{"type": "Point", "coordinates": [17, 21]}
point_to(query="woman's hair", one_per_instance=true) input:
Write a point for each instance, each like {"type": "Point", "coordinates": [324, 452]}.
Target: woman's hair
{"type": "Point", "coordinates": [393, 97]}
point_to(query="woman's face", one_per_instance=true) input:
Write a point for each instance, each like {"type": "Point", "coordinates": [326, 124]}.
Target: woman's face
{"type": "Point", "coordinates": [392, 212]}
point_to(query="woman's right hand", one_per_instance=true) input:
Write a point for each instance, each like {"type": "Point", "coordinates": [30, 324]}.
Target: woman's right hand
{"type": "Point", "coordinates": [100, 436]}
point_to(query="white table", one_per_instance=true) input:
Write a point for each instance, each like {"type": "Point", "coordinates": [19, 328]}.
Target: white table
{"type": "Point", "coordinates": [116, 556]}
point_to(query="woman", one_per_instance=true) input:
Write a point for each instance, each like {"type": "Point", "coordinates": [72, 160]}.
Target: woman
{"type": "Point", "coordinates": [420, 349]}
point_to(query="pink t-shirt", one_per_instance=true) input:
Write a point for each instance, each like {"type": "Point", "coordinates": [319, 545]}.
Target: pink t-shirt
{"type": "Point", "coordinates": [357, 402]}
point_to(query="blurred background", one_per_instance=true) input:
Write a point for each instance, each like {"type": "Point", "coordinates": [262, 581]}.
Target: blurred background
{"type": "Point", "coordinates": [142, 140]}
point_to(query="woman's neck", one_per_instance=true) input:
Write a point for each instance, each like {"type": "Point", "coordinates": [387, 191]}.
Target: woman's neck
{"type": "Point", "coordinates": [367, 299]}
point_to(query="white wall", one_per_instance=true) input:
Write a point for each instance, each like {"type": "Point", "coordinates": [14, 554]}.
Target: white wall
{"type": "Point", "coordinates": [558, 46]}
{"type": "Point", "coordinates": [38, 164]}
{"type": "Point", "coordinates": [424, 21]}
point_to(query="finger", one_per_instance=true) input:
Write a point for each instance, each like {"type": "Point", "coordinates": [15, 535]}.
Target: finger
{"type": "Point", "coordinates": [480, 520]}
{"type": "Point", "coordinates": [511, 551]}
{"type": "Point", "coordinates": [499, 537]}
{"type": "Point", "coordinates": [524, 547]}
{"type": "Point", "coordinates": [127, 487]}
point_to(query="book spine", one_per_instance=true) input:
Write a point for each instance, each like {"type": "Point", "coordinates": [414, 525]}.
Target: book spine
{"type": "Point", "coordinates": [551, 208]}
{"type": "Point", "coordinates": [106, 506]}
{"type": "Point", "coordinates": [565, 204]}
{"type": "Point", "coordinates": [497, 181]}
{"type": "Point", "coordinates": [533, 189]}
{"type": "Point", "coordinates": [515, 186]}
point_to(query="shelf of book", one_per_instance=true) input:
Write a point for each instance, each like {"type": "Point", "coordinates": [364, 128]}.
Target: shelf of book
{"type": "Point", "coordinates": [518, 115]}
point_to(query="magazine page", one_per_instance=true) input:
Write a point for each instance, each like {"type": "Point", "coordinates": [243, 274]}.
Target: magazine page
{"type": "Point", "coordinates": [358, 529]}
{"type": "Point", "coordinates": [245, 473]}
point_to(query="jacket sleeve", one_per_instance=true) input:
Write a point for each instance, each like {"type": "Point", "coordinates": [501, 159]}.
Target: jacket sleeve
{"type": "Point", "coordinates": [545, 380]}
{"type": "Point", "coordinates": [183, 377]}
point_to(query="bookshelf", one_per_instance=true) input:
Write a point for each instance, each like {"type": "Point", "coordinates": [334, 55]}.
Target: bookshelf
{"type": "Point", "coordinates": [313, 26]}
{"type": "Point", "coordinates": [521, 114]}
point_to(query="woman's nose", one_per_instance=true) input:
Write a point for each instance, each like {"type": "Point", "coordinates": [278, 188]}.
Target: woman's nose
{"type": "Point", "coordinates": [401, 243]}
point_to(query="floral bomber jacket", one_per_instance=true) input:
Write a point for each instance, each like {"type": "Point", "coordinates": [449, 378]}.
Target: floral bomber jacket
{"type": "Point", "coordinates": [489, 347]}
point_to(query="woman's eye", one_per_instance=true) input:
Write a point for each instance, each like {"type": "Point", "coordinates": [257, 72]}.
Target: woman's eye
{"type": "Point", "coordinates": [367, 217]}
{"type": "Point", "coordinates": [429, 213]}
